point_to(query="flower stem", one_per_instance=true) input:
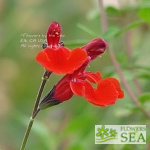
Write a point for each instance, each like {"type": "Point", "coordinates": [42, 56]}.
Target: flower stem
{"type": "Point", "coordinates": [45, 77]}
{"type": "Point", "coordinates": [27, 134]}
{"type": "Point", "coordinates": [36, 110]}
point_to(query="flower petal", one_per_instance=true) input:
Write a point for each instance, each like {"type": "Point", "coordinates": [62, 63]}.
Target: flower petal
{"type": "Point", "coordinates": [42, 58]}
{"type": "Point", "coordinates": [88, 92]}
{"type": "Point", "coordinates": [57, 59]}
{"type": "Point", "coordinates": [117, 85]}
{"type": "Point", "coordinates": [83, 88]}
{"type": "Point", "coordinates": [76, 59]}
{"type": "Point", "coordinates": [106, 93]}
{"type": "Point", "coordinates": [61, 60]}
{"type": "Point", "coordinates": [76, 87]}
{"type": "Point", "coordinates": [93, 77]}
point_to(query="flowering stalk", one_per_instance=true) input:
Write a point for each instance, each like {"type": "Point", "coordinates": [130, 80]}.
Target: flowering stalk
{"type": "Point", "coordinates": [45, 77]}
{"type": "Point", "coordinates": [55, 57]}
{"type": "Point", "coordinates": [52, 40]}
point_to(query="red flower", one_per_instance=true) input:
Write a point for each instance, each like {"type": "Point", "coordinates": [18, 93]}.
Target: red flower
{"type": "Point", "coordinates": [79, 82]}
{"type": "Point", "coordinates": [59, 59]}
{"type": "Point", "coordinates": [106, 92]}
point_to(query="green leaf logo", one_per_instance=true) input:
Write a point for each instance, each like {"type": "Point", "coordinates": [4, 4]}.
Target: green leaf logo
{"type": "Point", "coordinates": [105, 134]}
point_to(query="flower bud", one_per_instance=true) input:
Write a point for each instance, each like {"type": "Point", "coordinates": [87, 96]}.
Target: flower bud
{"type": "Point", "coordinates": [60, 92]}
{"type": "Point", "coordinates": [49, 100]}
{"type": "Point", "coordinates": [53, 34]}
{"type": "Point", "coordinates": [95, 47]}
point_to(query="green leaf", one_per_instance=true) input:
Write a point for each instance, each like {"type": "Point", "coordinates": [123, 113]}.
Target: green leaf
{"type": "Point", "coordinates": [39, 129]}
{"type": "Point", "coordinates": [144, 76]}
{"type": "Point", "coordinates": [127, 147]}
{"type": "Point", "coordinates": [132, 107]}
{"type": "Point", "coordinates": [76, 43]}
{"type": "Point", "coordinates": [112, 10]}
{"type": "Point", "coordinates": [44, 134]}
{"type": "Point", "coordinates": [78, 124]}
{"type": "Point", "coordinates": [115, 31]}
{"type": "Point", "coordinates": [87, 30]}
{"type": "Point", "coordinates": [129, 27]}
{"type": "Point", "coordinates": [111, 33]}
{"type": "Point", "coordinates": [144, 68]}
{"type": "Point", "coordinates": [145, 3]}
{"type": "Point", "coordinates": [144, 14]}
{"type": "Point", "coordinates": [76, 147]}
{"type": "Point", "coordinates": [123, 112]}
{"type": "Point", "coordinates": [92, 14]}
{"type": "Point", "coordinates": [145, 97]}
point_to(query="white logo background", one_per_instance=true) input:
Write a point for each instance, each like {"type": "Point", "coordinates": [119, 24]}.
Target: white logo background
{"type": "Point", "coordinates": [120, 134]}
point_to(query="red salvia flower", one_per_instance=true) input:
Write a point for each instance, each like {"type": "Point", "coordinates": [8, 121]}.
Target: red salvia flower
{"type": "Point", "coordinates": [59, 59]}
{"type": "Point", "coordinates": [106, 92]}
{"type": "Point", "coordinates": [80, 82]}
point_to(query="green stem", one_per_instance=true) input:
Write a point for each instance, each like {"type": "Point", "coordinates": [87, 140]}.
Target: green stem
{"type": "Point", "coordinates": [27, 134]}
{"type": "Point", "coordinates": [45, 77]}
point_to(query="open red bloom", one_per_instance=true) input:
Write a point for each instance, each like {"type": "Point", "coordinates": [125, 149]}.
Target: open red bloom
{"type": "Point", "coordinates": [59, 59]}
{"type": "Point", "coordinates": [106, 92]}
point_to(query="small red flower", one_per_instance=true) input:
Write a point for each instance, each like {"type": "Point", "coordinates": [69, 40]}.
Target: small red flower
{"type": "Point", "coordinates": [80, 82]}
{"type": "Point", "coordinates": [59, 59]}
{"type": "Point", "coordinates": [106, 92]}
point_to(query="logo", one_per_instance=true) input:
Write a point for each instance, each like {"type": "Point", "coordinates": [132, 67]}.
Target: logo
{"type": "Point", "coordinates": [120, 134]}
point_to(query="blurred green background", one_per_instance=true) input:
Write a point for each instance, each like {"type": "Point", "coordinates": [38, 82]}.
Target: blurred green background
{"type": "Point", "coordinates": [71, 125]}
